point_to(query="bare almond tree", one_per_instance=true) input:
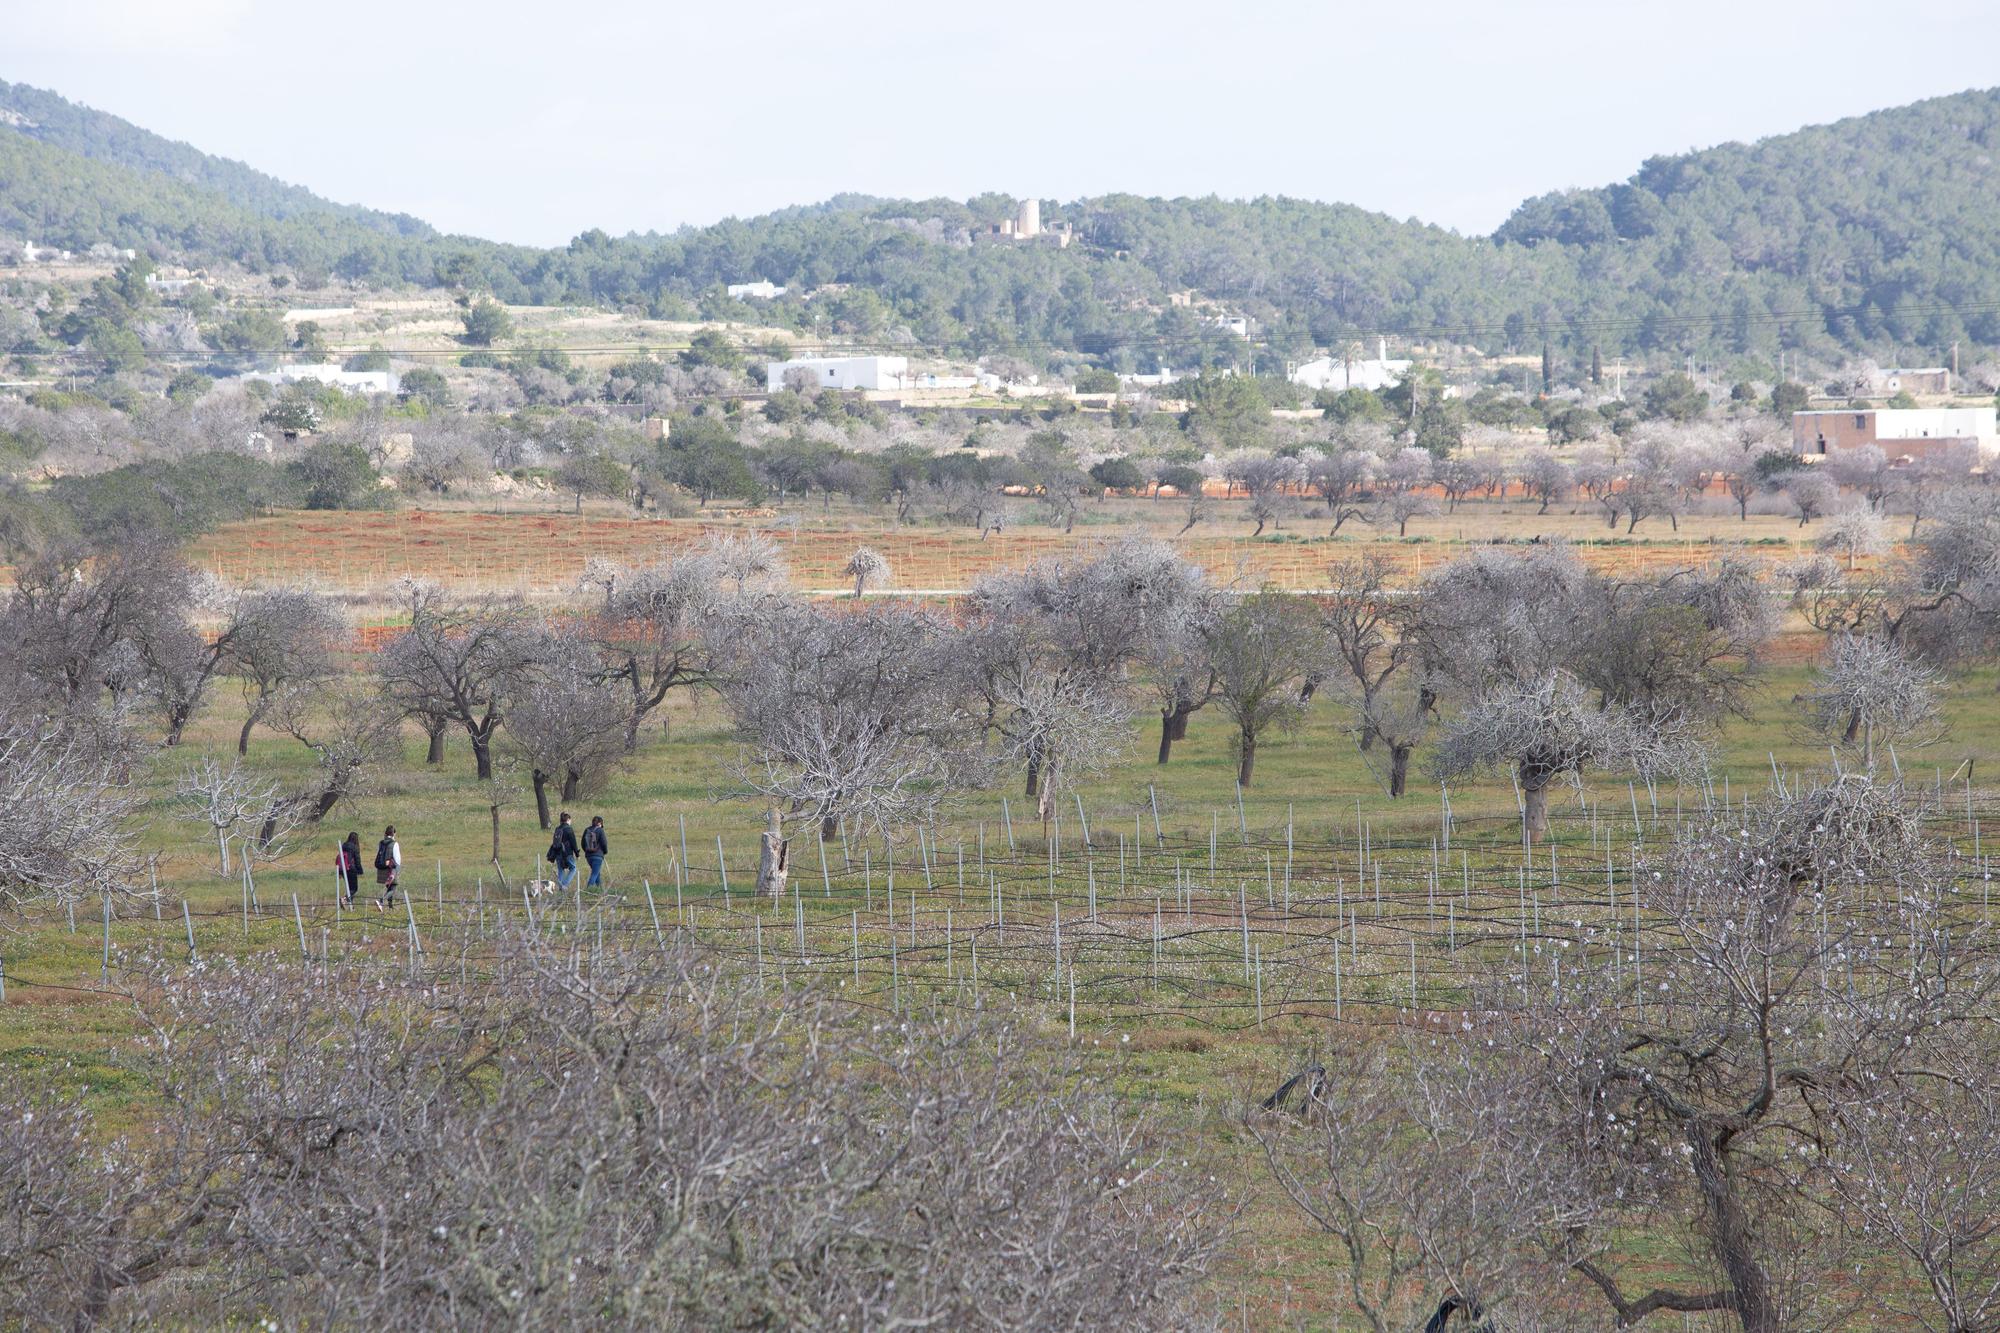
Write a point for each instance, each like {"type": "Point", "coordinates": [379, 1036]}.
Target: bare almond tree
{"type": "Point", "coordinates": [356, 1146]}
{"type": "Point", "coordinates": [1852, 532]}
{"type": "Point", "coordinates": [868, 568]}
{"type": "Point", "coordinates": [568, 720]}
{"type": "Point", "coordinates": [848, 716]}
{"type": "Point", "coordinates": [65, 802]}
{"type": "Point", "coordinates": [1915, 1163]}
{"type": "Point", "coordinates": [1174, 657]}
{"type": "Point", "coordinates": [283, 640]}
{"type": "Point", "coordinates": [1262, 648]}
{"type": "Point", "coordinates": [1265, 477]}
{"type": "Point", "coordinates": [454, 661]}
{"type": "Point", "coordinates": [1360, 617]}
{"type": "Point", "coordinates": [745, 559]}
{"type": "Point", "coordinates": [1735, 1079]}
{"type": "Point", "coordinates": [1339, 475]}
{"type": "Point", "coordinates": [352, 733]}
{"type": "Point", "coordinates": [1869, 691]}
{"type": "Point", "coordinates": [1811, 492]}
{"type": "Point", "coordinates": [232, 802]}
{"type": "Point", "coordinates": [1050, 646]}
{"type": "Point", "coordinates": [1545, 478]}
{"type": "Point", "coordinates": [655, 633]}
{"type": "Point", "coordinates": [77, 614]}
{"type": "Point", "coordinates": [1551, 729]}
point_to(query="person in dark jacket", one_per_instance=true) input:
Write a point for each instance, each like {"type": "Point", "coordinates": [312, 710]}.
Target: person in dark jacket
{"type": "Point", "coordinates": [348, 860]}
{"type": "Point", "coordinates": [562, 851]}
{"type": "Point", "coordinates": [388, 868]}
{"type": "Point", "coordinates": [596, 845]}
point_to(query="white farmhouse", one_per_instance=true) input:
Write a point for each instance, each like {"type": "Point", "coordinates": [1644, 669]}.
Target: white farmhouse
{"type": "Point", "coordinates": [761, 290]}
{"type": "Point", "coordinates": [841, 372]}
{"type": "Point", "coordinates": [329, 372]}
{"type": "Point", "coordinates": [1338, 373]}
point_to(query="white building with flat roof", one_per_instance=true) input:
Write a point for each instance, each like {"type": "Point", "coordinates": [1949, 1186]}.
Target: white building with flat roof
{"type": "Point", "coordinates": [761, 290]}
{"type": "Point", "coordinates": [1337, 373]}
{"type": "Point", "coordinates": [840, 372]}
{"type": "Point", "coordinates": [329, 372]}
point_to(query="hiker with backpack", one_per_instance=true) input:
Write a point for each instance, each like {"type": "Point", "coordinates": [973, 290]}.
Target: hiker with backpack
{"type": "Point", "coordinates": [348, 862]}
{"type": "Point", "coordinates": [562, 851]}
{"type": "Point", "coordinates": [388, 863]}
{"type": "Point", "coordinates": [596, 844]}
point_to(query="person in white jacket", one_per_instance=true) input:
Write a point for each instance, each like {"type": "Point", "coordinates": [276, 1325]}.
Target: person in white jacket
{"type": "Point", "coordinates": [388, 864]}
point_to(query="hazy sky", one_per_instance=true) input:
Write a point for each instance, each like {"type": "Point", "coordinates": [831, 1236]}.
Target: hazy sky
{"type": "Point", "coordinates": [532, 122]}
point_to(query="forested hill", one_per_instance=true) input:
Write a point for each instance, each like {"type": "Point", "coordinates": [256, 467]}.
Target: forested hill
{"type": "Point", "coordinates": [102, 137]}
{"type": "Point", "coordinates": [1879, 233]}
{"type": "Point", "coordinates": [1897, 211]}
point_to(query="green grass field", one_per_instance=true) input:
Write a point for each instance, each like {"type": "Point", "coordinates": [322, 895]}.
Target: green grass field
{"type": "Point", "coordinates": [1203, 984]}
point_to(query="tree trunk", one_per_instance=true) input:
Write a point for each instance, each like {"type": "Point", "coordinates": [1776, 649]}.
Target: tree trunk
{"type": "Point", "coordinates": [434, 752]}
{"type": "Point", "coordinates": [1166, 734]}
{"type": "Point", "coordinates": [1853, 727]}
{"type": "Point", "coordinates": [482, 757]}
{"type": "Point", "coordinates": [1399, 771]}
{"type": "Point", "coordinates": [773, 859]}
{"type": "Point", "coordinates": [1249, 757]}
{"type": "Point", "coordinates": [249, 723]}
{"type": "Point", "coordinates": [829, 828]}
{"type": "Point", "coordinates": [1732, 1236]}
{"type": "Point", "coordinates": [1535, 800]}
{"type": "Point", "coordinates": [571, 781]}
{"type": "Point", "coordinates": [1034, 774]}
{"type": "Point", "coordinates": [541, 781]}
{"type": "Point", "coordinates": [222, 850]}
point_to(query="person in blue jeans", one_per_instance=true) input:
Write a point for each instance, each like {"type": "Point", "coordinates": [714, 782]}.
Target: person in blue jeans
{"type": "Point", "coordinates": [562, 851]}
{"type": "Point", "coordinates": [595, 846]}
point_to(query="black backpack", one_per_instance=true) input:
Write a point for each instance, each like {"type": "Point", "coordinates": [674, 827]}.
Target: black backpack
{"type": "Point", "coordinates": [383, 850]}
